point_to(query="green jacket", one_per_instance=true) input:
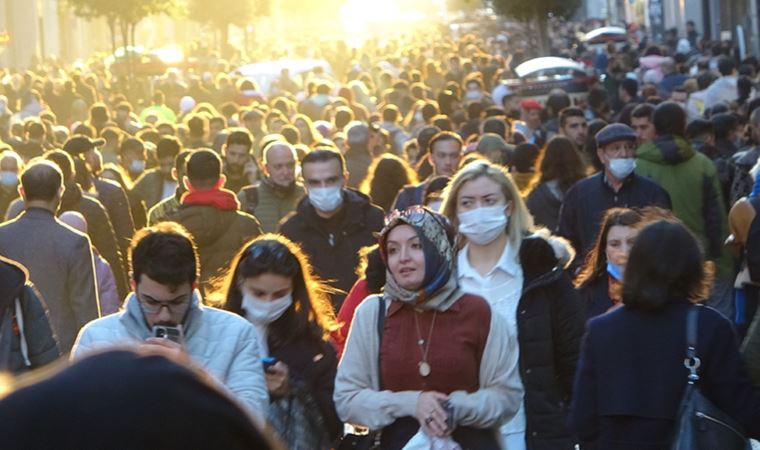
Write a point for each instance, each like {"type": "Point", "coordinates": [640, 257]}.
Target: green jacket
{"type": "Point", "coordinates": [692, 182]}
{"type": "Point", "coordinates": [270, 204]}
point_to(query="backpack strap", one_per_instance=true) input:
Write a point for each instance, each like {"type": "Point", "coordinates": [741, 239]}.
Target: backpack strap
{"type": "Point", "coordinates": [251, 198]}
{"type": "Point", "coordinates": [692, 362]}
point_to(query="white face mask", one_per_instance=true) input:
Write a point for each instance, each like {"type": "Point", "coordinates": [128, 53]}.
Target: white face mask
{"type": "Point", "coordinates": [262, 312]}
{"type": "Point", "coordinates": [137, 166]}
{"type": "Point", "coordinates": [326, 199]}
{"type": "Point", "coordinates": [622, 167]}
{"type": "Point", "coordinates": [8, 178]}
{"type": "Point", "coordinates": [483, 225]}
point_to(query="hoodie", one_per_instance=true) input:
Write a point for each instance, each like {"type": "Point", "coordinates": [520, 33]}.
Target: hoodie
{"type": "Point", "coordinates": [691, 179]}
{"type": "Point", "coordinates": [218, 229]}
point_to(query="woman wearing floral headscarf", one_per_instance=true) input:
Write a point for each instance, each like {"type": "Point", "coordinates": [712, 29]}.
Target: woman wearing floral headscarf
{"type": "Point", "coordinates": [419, 354]}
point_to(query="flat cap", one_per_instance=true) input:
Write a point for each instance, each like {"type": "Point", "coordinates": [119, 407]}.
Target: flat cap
{"type": "Point", "coordinates": [615, 132]}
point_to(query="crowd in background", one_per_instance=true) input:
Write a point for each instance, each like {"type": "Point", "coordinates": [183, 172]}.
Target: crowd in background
{"type": "Point", "coordinates": [333, 244]}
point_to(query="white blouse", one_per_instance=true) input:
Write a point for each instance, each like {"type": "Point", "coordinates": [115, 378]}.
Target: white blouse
{"type": "Point", "coordinates": [501, 287]}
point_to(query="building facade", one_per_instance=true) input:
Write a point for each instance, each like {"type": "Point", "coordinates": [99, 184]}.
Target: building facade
{"type": "Point", "coordinates": [714, 19]}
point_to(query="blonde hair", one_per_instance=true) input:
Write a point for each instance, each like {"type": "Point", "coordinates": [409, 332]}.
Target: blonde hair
{"type": "Point", "coordinates": [520, 220]}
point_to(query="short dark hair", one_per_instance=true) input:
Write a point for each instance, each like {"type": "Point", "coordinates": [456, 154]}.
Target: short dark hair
{"type": "Point", "coordinates": [425, 135]}
{"type": "Point", "coordinates": [63, 161]}
{"type": "Point", "coordinates": [323, 155]}
{"type": "Point", "coordinates": [699, 127]}
{"type": "Point", "coordinates": [239, 136]}
{"type": "Point", "coordinates": [643, 110]}
{"type": "Point", "coordinates": [630, 86]}
{"type": "Point", "coordinates": [570, 111]}
{"type": "Point", "coordinates": [723, 124]}
{"type": "Point", "coordinates": [726, 65]}
{"type": "Point", "coordinates": [669, 118]}
{"type": "Point", "coordinates": [390, 113]}
{"type": "Point", "coordinates": [41, 180]}
{"type": "Point", "coordinates": [219, 119]}
{"type": "Point", "coordinates": [525, 156]}
{"type": "Point", "coordinates": [665, 264]}
{"type": "Point", "coordinates": [36, 130]}
{"type": "Point", "coordinates": [180, 161]}
{"type": "Point", "coordinates": [197, 125]}
{"type": "Point", "coordinates": [497, 125]}
{"type": "Point", "coordinates": [445, 136]}
{"type": "Point", "coordinates": [131, 144]}
{"type": "Point", "coordinates": [166, 254]}
{"type": "Point", "coordinates": [204, 167]}
{"type": "Point", "coordinates": [168, 147]}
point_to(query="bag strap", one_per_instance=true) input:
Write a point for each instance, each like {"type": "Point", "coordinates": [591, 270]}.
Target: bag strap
{"type": "Point", "coordinates": [380, 325]}
{"type": "Point", "coordinates": [692, 362]}
{"type": "Point", "coordinates": [22, 334]}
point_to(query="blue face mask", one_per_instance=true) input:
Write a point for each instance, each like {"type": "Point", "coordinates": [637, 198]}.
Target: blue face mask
{"type": "Point", "coordinates": [614, 271]}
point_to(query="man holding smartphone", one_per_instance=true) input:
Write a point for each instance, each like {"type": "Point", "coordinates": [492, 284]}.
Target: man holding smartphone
{"type": "Point", "coordinates": [165, 312]}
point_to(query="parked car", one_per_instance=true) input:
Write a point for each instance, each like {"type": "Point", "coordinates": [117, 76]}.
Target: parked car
{"type": "Point", "coordinates": [148, 63]}
{"type": "Point", "coordinates": [537, 77]}
{"type": "Point", "coordinates": [264, 73]}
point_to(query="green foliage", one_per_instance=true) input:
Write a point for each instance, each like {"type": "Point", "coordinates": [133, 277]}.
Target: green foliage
{"type": "Point", "coordinates": [127, 11]}
{"type": "Point", "coordinates": [220, 13]}
{"type": "Point", "coordinates": [527, 10]}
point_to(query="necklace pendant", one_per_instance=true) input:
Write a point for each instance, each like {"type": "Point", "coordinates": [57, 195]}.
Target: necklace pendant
{"type": "Point", "coordinates": [424, 368]}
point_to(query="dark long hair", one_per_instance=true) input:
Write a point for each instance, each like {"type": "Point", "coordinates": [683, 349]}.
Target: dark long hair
{"type": "Point", "coordinates": [311, 313]}
{"type": "Point", "coordinates": [386, 176]}
{"type": "Point", "coordinates": [595, 265]}
{"type": "Point", "coordinates": [561, 161]}
{"type": "Point", "coordinates": [666, 264]}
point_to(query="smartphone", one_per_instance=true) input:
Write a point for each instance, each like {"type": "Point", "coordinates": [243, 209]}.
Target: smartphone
{"type": "Point", "coordinates": [173, 334]}
{"type": "Point", "coordinates": [268, 362]}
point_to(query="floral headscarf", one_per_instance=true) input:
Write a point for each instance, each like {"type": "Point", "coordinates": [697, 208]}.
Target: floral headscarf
{"type": "Point", "coordinates": [439, 286]}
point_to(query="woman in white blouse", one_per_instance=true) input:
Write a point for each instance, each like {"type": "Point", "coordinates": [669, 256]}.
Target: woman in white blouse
{"type": "Point", "coordinates": [522, 276]}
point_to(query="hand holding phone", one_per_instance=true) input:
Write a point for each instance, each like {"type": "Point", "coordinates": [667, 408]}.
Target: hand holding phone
{"type": "Point", "coordinates": [173, 334]}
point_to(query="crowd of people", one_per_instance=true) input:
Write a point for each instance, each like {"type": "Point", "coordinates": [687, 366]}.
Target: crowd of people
{"type": "Point", "coordinates": [401, 253]}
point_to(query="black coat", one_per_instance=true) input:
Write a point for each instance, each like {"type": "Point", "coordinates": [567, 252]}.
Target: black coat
{"type": "Point", "coordinates": [100, 230]}
{"type": "Point", "coordinates": [596, 297]}
{"type": "Point", "coordinates": [115, 200]}
{"type": "Point", "coordinates": [335, 255]}
{"type": "Point", "coordinates": [549, 329]}
{"type": "Point", "coordinates": [312, 366]}
{"type": "Point", "coordinates": [544, 206]}
{"type": "Point", "coordinates": [587, 201]}
{"type": "Point", "coordinates": [631, 377]}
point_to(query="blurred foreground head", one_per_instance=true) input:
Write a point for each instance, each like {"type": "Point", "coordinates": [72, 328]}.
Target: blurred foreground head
{"type": "Point", "coordinates": [126, 400]}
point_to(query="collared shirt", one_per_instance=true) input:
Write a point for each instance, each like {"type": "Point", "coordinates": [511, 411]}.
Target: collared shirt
{"type": "Point", "coordinates": [501, 287]}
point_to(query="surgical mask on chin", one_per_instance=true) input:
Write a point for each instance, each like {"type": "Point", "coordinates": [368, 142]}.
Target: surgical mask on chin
{"type": "Point", "coordinates": [261, 312]}
{"type": "Point", "coordinates": [326, 199]}
{"type": "Point", "coordinates": [615, 271]}
{"type": "Point", "coordinates": [622, 167]}
{"type": "Point", "coordinates": [8, 178]}
{"type": "Point", "coordinates": [483, 225]}
{"type": "Point", "coordinates": [137, 166]}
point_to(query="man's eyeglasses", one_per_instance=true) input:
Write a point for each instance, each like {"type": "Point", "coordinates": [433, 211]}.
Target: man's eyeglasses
{"type": "Point", "coordinates": [152, 306]}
